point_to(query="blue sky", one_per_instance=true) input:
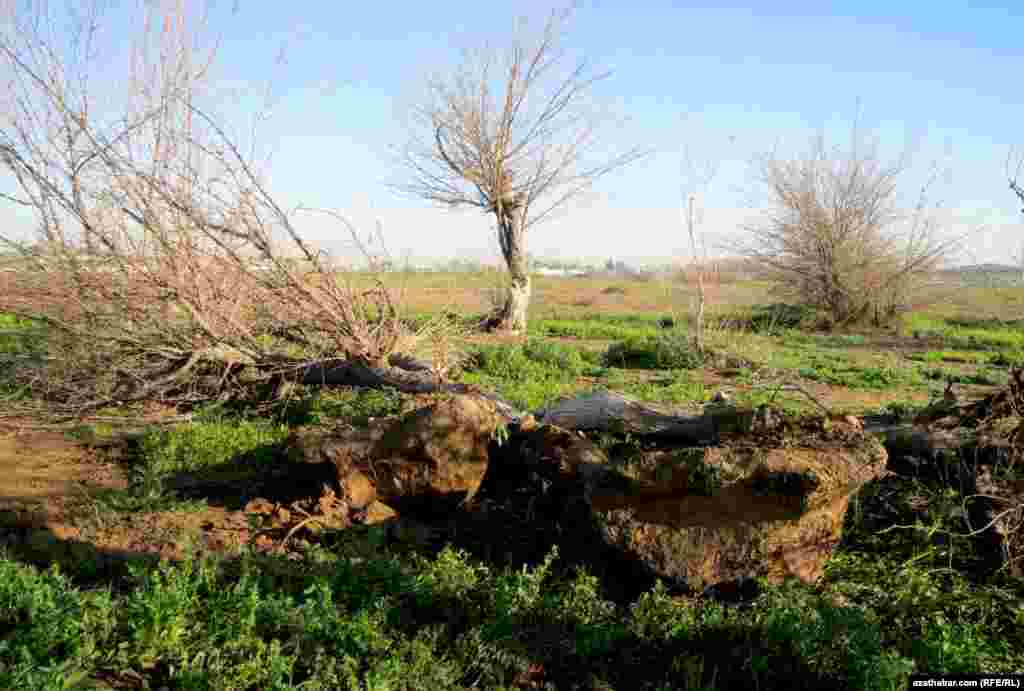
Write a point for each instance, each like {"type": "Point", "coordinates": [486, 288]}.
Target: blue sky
{"type": "Point", "coordinates": [722, 81]}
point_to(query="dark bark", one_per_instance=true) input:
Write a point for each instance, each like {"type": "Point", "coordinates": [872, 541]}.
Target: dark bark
{"type": "Point", "coordinates": [1018, 190]}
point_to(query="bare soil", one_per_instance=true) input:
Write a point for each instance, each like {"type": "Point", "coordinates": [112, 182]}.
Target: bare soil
{"type": "Point", "coordinates": [51, 508]}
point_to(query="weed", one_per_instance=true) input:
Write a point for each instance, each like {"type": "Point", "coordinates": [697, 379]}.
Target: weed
{"type": "Point", "coordinates": [22, 345]}
{"type": "Point", "coordinates": [776, 317]}
{"type": "Point", "coordinates": [702, 479]}
{"type": "Point", "coordinates": [959, 356]}
{"type": "Point", "coordinates": [834, 370]}
{"type": "Point", "coordinates": [1014, 358]}
{"type": "Point", "coordinates": [353, 405]}
{"type": "Point", "coordinates": [532, 374]}
{"type": "Point", "coordinates": [591, 329]}
{"type": "Point", "coordinates": [676, 388]}
{"type": "Point", "coordinates": [980, 377]}
{"type": "Point", "coordinates": [665, 351]}
{"type": "Point", "coordinates": [969, 336]}
{"type": "Point", "coordinates": [238, 447]}
{"type": "Point", "coordinates": [901, 410]}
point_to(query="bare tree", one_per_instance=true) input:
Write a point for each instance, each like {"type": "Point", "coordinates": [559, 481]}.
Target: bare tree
{"type": "Point", "coordinates": [835, 237]}
{"type": "Point", "coordinates": [164, 267]}
{"type": "Point", "coordinates": [509, 132]}
{"type": "Point", "coordinates": [697, 181]}
{"type": "Point", "coordinates": [1014, 170]}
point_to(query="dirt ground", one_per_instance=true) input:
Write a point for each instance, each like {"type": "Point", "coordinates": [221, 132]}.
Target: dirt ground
{"type": "Point", "coordinates": [52, 509]}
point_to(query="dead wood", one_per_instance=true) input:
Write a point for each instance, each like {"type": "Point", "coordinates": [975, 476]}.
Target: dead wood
{"type": "Point", "coordinates": [607, 411]}
{"type": "Point", "coordinates": [405, 374]}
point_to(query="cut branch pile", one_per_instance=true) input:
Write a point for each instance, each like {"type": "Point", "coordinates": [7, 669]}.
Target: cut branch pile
{"type": "Point", "coordinates": [162, 267]}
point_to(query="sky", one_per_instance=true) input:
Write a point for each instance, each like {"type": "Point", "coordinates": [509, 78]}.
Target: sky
{"type": "Point", "coordinates": [715, 84]}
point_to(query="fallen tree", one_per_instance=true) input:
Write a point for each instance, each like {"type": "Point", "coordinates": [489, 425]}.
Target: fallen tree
{"type": "Point", "coordinates": [163, 268]}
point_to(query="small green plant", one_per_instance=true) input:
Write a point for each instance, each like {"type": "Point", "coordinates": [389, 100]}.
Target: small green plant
{"type": "Point", "coordinates": [702, 479]}
{"type": "Point", "coordinates": [901, 410]}
{"type": "Point", "coordinates": [777, 317]}
{"type": "Point", "coordinates": [500, 434]}
{"type": "Point", "coordinates": [656, 616]}
{"type": "Point", "coordinates": [666, 351]}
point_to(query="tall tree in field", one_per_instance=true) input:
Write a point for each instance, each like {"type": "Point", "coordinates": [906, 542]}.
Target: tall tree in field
{"type": "Point", "coordinates": [509, 131]}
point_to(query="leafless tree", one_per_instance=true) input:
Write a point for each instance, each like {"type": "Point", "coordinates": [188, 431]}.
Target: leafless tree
{"type": "Point", "coordinates": [836, 238]}
{"type": "Point", "coordinates": [697, 181]}
{"type": "Point", "coordinates": [164, 267]}
{"type": "Point", "coordinates": [1014, 170]}
{"type": "Point", "coordinates": [509, 132]}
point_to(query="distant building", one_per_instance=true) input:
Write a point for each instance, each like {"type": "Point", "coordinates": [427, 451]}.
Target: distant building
{"type": "Point", "coordinates": [545, 271]}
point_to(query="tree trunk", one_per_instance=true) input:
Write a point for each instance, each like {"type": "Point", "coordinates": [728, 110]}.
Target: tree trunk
{"type": "Point", "coordinates": [512, 238]}
{"type": "Point", "coordinates": [513, 314]}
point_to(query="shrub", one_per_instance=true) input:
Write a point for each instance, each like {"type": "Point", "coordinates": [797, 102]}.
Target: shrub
{"type": "Point", "coordinates": [665, 351]}
{"type": "Point", "coordinates": [836, 238]}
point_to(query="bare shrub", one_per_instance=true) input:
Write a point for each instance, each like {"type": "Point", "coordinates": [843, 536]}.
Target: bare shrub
{"type": "Point", "coordinates": [835, 237]}
{"type": "Point", "coordinates": [163, 266]}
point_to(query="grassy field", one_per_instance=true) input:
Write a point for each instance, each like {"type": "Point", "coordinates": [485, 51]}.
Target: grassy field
{"type": "Point", "coordinates": [352, 610]}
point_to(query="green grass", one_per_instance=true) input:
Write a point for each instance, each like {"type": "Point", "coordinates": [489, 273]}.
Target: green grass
{"type": "Point", "coordinates": [591, 329]}
{"type": "Point", "coordinates": [983, 376]}
{"type": "Point", "coordinates": [965, 334]}
{"type": "Point", "coordinates": [353, 405]}
{"type": "Point", "coordinates": [837, 370]}
{"type": "Point", "coordinates": [209, 444]}
{"type": "Point", "coordinates": [353, 614]}
{"type": "Point", "coordinates": [375, 626]}
{"type": "Point", "coordinates": [955, 356]}
{"type": "Point", "coordinates": [331, 621]}
{"type": "Point", "coordinates": [674, 388]}
{"type": "Point", "coordinates": [214, 447]}
{"type": "Point", "coordinates": [793, 337]}
{"type": "Point", "coordinates": [22, 343]}
{"type": "Point", "coordinates": [530, 375]}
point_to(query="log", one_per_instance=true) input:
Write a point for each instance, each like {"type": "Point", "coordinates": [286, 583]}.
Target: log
{"type": "Point", "coordinates": [597, 411]}
{"type": "Point", "coordinates": [607, 411]}
{"type": "Point", "coordinates": [410, 379]}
